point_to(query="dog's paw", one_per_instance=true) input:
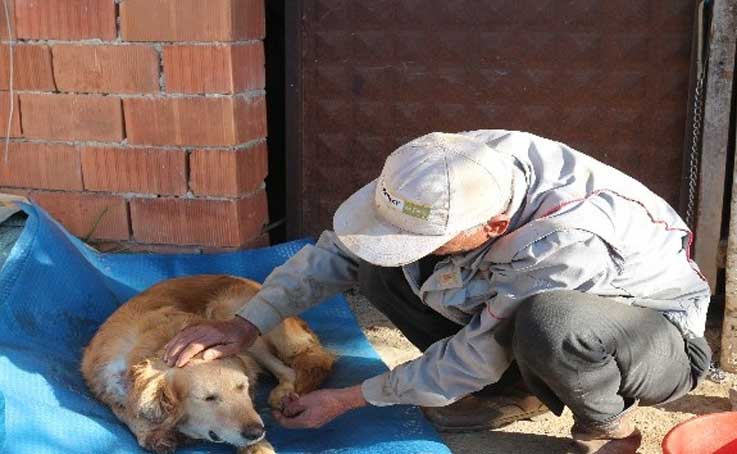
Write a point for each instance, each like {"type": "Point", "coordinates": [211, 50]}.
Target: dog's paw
{"type": "Point", "coordinates": [280, 394]}
{"type": "Point", "coordinates": [161, 441]}
{"type": "Point", "coordinates": [262, 447]}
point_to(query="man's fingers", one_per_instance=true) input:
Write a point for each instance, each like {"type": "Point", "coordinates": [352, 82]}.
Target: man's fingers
{"type": "Point", "coordinates": [175, 346]}
{"type": "Point", "coordinates": [172, 347]}
{"type": "Point", "coordinates": [190, 352]}
{"type": "Point", "coordinates": [292, 408]}
{"type": "Point", "coordinates": [220, 351]}
{"type": "Point", "coordinates": [302, 421]}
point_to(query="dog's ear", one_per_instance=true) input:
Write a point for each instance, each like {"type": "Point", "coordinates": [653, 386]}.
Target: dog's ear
{"type": "Point", "coordinates": [252, 370]}
{"type": "Point", "coordinates": [151, 396]}
{"type": "Point", "coordinates": [249, 365]}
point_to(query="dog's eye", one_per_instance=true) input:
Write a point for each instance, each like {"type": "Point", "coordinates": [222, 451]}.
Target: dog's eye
{"type": "Point", "coordinates": [211, 397]}
{"type": "Point", "coordinates": [240, 387]}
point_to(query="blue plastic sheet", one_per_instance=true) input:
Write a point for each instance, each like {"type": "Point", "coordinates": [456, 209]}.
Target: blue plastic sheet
{"type": "Point", "coordinates": [54, 293]}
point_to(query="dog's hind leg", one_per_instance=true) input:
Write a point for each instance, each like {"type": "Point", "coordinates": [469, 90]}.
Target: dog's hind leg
{"type": "Point", "coordinates": [283, 373]}
{"type": "Point", "coordinates": [296, 345]}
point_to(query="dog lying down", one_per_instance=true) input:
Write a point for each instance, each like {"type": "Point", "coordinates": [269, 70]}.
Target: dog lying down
{"type": "Point", "coordinates": [205, 400]}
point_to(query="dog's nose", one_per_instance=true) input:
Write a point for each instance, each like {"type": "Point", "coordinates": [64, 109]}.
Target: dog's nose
{"type": "Point", "coordinates": [251, 433]}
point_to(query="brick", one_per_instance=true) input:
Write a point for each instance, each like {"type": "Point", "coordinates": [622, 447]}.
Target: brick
{"type": "Point", "coordinates": [250, 117]}
{"type": "Point", "coordinates": [186, 221]}
{"type": "Point", "coordinates": [65, 19]}
{"type": "Point", "coordinates": [87, 215]}
{"type": "Point", "coordinates": [106, 69]}
{"type": "Point", "coordinates": [71, 117]}
{"type": "Point", "coordinates": [228, 173]}
{"type": "Point", "coordinates": [229, 68]}
{"type": "Point", "coordinates": [249, 19]}
{"type": "Point", "coordinates": [253, 214]}
{"type": "Point", "coordinates": [15, 130]}
{"type": "Point", "coordinates": [216, 223]}
{"type": "Point", "coordinates": [192, 20]}
{"type": "Point", "coordinates": [163, 249]}
{"type": "Point", "coordinates": [122, 247]}
{"type": "Point", "coordinates": [3, 21]}
{"type": "Point", "coordinates": [231, 120]}
{"type": "Point", "coordinates": [134, 170]}
{"type": "Point", "coordinates": [260, 241]}
{"type": "Point", "coordinates": [36, 165]}
{"type": "Point", "coordinates": [31, 67]}
{"type": "Point", "coordinates": [249, 67]}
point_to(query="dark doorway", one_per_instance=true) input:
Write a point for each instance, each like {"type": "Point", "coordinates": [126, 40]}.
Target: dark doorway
{"type": "Point", "coordinates": [275, 70]}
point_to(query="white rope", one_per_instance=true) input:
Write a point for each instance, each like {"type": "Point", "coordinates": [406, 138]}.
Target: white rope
{"type": "Point", "coordinates": [11, 109]}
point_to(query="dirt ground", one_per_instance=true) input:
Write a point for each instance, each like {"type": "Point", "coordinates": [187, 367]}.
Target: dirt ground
{"type": "Point", "coordinates": [547, 434]}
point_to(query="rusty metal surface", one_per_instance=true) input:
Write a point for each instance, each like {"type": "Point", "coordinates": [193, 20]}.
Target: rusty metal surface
{"type": "Point", "coordinates": [607, 77]}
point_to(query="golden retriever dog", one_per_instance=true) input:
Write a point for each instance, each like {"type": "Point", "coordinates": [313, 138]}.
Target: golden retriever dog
{"type": "Point", "coordinates": [206, 400]}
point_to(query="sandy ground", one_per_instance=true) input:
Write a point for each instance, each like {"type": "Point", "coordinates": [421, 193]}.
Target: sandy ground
{"type": "Point", "coordinates": [547, 434]}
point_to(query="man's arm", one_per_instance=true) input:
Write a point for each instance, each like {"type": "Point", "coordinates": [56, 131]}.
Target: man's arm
{"type": "Point", "coordinates": [313, 274]}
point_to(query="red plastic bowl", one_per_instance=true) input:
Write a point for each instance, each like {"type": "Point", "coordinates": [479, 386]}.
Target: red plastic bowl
{"type": "Point", "coordinates": [715, 433]}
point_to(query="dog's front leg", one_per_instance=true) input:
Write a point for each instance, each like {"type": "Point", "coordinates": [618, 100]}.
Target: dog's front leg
{"type": "Point", "coordinates": [149, 435]}
{"type": "Point", "coordinates": [283, 373]}
{"type": "Point", "coordinates": [262, 447]}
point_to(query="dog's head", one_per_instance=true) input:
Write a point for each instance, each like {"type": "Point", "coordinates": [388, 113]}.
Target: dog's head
{"type": "Point", "coordinates": [206, 400]}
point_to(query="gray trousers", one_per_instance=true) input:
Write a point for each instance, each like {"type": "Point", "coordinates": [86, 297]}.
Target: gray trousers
{"type": "Point", "coordinates": [592, 354]}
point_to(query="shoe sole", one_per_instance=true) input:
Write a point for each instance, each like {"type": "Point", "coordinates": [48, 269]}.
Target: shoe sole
{"type": "Point", "coordinates": [498, 424]}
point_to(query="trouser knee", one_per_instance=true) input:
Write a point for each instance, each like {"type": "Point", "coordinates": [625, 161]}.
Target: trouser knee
{"type": "Point", "coordinates": [591, 353]}
{"type": "Point", "coordinates": [543, 324]}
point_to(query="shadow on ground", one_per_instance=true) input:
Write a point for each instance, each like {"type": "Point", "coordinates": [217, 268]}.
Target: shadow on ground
{"type": "Point", "coordinates": [698, 404]}
{"type": "Point", "coordinates": [497, 442]}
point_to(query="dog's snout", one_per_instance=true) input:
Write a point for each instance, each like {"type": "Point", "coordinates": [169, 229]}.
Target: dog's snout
{"type": "Point", "coordinates": [251, 433]}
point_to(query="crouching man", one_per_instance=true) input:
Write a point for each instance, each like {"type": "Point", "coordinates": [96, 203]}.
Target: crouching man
{"type": "Point", "coordinates": [531, 276]}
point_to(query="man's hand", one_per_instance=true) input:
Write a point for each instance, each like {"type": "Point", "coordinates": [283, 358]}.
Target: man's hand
{"type": "Point", "coordinates": [315, 409]}
{"type": "Point", "coordinates": [216, 338]}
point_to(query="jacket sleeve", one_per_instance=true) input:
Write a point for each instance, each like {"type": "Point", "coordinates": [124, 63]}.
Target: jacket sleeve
{"type": "Point", "coordinates": [475, 356]}
{"type": "Point", "coordinates": [310, 276]}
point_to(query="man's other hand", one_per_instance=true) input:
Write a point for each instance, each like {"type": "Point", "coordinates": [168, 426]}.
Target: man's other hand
{"type": "Point", "coordinates": [217, 338]}
{"type": "Point", "coordinates": [315, 409]}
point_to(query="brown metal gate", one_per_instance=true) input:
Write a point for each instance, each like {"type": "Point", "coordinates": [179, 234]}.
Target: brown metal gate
{"type": "Point", "coordinates": [609, 77]}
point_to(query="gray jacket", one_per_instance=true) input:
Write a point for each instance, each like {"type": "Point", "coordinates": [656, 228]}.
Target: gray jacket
{"type": "Point", "coordinates": [576, 224]}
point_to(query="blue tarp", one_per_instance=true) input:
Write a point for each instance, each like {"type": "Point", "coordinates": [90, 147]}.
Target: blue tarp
{"type": "Point", "coordinates": [55, 291]}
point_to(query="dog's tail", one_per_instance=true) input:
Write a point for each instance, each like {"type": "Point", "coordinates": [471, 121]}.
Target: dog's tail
{"type": "Point", "coordinates": [296, 345]}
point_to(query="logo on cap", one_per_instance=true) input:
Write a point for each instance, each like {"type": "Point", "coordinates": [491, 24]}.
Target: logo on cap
{"type": "Point", "coordinates": [410, 209]}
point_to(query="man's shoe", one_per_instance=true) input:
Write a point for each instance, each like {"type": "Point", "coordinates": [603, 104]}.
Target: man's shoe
{"type": "Point", "coordinates": [475, 413]}
{"type": "Point", "coordinates": [619, 436]}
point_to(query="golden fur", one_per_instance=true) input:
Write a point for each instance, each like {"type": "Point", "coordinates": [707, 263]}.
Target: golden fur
{"type": "Point", "coordinates": [162, 405]}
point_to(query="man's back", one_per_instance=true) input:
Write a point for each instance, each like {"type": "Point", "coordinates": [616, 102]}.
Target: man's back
{"type": "Point", "coordinates": [565, 190]}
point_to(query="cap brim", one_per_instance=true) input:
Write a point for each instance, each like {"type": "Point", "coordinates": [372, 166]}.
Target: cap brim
{"type": "Point", "coordinates": [357, 227]}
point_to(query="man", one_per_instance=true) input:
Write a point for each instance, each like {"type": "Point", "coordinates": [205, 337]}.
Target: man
{"type": "Point", "coordinates": [525, 271]}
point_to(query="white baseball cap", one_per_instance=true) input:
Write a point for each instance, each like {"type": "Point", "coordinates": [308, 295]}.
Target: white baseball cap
{"type": "Point", "coordinates": [430, 190]}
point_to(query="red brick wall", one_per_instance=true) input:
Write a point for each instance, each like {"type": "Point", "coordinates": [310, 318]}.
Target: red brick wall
{"type": "Point", "coordinates": [140, 124]}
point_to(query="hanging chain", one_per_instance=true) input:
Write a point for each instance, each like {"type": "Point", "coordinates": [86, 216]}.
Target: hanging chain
{"type": "Point", "coordinates": [697, 124]}
{"type": "Point", "coordinates": [697, 118]}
